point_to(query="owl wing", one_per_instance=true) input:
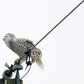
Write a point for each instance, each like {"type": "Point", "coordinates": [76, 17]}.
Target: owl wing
{"type": "Point", "coordinates": [25, 42]}
{"type": "Point", "coordinates": [21, 45]}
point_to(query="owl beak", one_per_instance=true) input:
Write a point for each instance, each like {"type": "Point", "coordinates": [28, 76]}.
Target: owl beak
{"type": "Point", "coordinates": [4, 39]}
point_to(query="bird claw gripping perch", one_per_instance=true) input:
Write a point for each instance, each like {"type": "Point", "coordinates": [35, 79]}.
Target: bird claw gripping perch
{"type": "Point", "coordinates": [28, 53]}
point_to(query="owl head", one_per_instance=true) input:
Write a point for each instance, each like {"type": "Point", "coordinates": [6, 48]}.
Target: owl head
{"type": "Point", "coordinates": [8, 37]}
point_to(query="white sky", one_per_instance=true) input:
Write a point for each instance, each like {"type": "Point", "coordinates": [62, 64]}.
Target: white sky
{"type": "Point", "coordinates": [62, 50]}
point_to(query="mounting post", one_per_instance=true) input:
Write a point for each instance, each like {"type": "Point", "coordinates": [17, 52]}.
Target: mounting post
{"type": "Point", "coordinates": [12, 81]}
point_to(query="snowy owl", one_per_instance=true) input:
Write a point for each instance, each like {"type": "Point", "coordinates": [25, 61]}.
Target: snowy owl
{"type": "Point", "coordinates": [19, 46]}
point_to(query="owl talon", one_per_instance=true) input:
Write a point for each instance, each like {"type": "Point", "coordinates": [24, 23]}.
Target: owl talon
{"type": "Point", "coordinates": [16, 62]}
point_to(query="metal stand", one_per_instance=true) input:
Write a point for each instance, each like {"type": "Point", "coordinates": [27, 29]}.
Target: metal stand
{"type": "Point", "coordinates": [17, 78]}
{"type": "Point", "coordinates": [7, 74]}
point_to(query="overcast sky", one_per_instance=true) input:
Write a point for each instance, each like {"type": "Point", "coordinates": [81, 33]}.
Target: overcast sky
{"type": "Point", "coordinates": [62, 50]}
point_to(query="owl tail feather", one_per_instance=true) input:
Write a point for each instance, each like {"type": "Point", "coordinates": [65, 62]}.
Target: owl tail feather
{"type": "Point", "coordinates": [39, 63]}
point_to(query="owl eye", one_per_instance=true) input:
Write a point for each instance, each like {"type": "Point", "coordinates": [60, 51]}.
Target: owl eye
{"type": "Point", "coordinates": [5, 36]}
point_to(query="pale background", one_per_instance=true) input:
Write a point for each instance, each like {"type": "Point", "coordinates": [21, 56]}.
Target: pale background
{"type": "Point", "coordinates": [62, 50]}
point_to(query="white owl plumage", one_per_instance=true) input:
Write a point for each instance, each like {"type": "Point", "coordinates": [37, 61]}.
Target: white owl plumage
{"type": "Point", "coordinates": [19, 46]}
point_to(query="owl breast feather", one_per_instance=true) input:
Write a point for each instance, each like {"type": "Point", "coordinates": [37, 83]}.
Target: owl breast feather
{"type": "Point", "coordinates": [20, 46]}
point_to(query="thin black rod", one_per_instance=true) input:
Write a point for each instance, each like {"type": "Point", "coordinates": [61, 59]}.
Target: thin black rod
{"type": "Point", "coordinates": [58, 24]}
